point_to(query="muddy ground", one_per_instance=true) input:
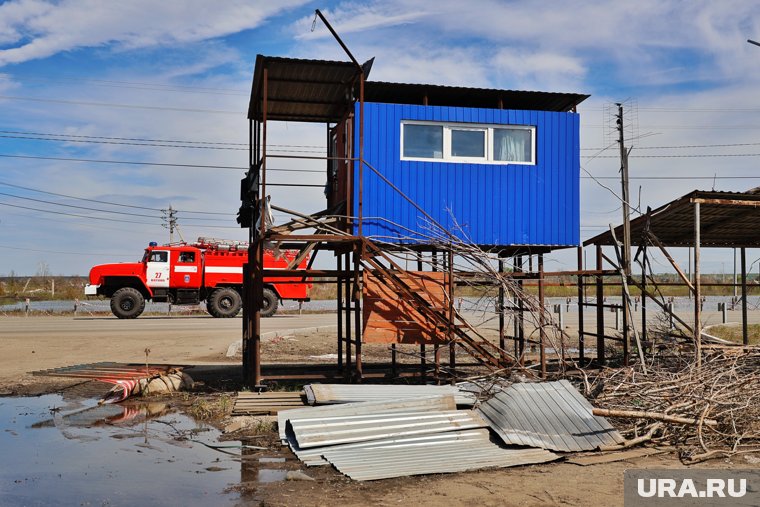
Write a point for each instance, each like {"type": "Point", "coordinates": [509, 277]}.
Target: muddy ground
{"type": "Point", "coordinates": [28, 344]}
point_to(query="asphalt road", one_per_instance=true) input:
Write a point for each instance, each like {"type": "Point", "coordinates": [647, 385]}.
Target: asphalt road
{"type": "Point", "coordinates": [37, 343]}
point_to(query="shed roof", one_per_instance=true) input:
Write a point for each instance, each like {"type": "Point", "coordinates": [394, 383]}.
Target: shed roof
{"type": "Point", "coordinates": [439, 95]}
{"type": "Point", "coordinates": [323, 91]}
{"type": "Point", "coordinates": [727, 219]}
{"type": "Point", "coordinates": [302, 90]}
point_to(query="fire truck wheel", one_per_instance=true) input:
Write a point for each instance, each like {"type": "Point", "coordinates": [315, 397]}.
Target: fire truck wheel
{"type": "Point", "coordinates": [270, 303]}
{"type": "Point", "coordinates": [127, 303]}
{"type": "Point", "coordinates": [224, 303]}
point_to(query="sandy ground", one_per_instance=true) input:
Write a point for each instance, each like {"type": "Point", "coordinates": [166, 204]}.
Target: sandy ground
{"type": "Point", "coordinates": [36, 343]}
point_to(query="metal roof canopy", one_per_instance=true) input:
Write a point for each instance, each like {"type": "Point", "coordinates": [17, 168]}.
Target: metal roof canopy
{"type": "Point", "coordinates": [728, 219]}
{"type": "Point", "coordinates": [323, 91]}
{"type": "Point", "coordinates": [319, 91]}
{"type": "Point", "coordinates": [489, 98]}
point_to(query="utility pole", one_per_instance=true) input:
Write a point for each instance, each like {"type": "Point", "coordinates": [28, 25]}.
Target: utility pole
{"type": "Point", "coordinates": [170, 217]}
{"type": "Point", "coordinates": [626, 251]}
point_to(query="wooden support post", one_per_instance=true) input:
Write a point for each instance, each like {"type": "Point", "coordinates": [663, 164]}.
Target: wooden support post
{"type": "Point", "coordinates": [541, 315]}
{"type": "Point", "coordinates": [745, 333]}
{"type": "Point", "coordinates": [600, 356]}
{"type": "Point", "coordinates": [644, 261]}
{"type": "Point", "coordinates": [697, 287]}
{"type": "Point", "coordinates": [581, 328]}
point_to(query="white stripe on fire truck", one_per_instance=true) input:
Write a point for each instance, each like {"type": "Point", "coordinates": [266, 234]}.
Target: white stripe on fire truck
{"type": "Point", "coordinates": [224, 269]}
{"type": "Point", "coordinates": [186, 269]}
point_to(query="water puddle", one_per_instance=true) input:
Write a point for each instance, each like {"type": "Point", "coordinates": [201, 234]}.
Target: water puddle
{"type": "Point", "coordinates": [57, 451]}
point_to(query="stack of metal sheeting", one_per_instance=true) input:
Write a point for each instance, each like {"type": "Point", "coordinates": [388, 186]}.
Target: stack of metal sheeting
{"type": "Point", "coordinates": [550, 415]}
{"type": "Point", "coordinates": [430, 404]}
{"type": "Point", "coordinates": [313, 456]}
{"type": "Point", "coordinates": [325, 431]}
{"type": "Point", "coordinates": [434, 458]}
{"type": "Point", "coordinates": [376, 440]}
{"type": "Point", "coordinates": [323, 394]}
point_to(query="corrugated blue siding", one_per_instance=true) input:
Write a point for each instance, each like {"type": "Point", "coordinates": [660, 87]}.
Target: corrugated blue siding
{"type": "Point", "coordinates": [497, 205]}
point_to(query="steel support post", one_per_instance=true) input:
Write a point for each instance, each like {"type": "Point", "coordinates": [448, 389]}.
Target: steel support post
{"type": "Point", "coordinates": [581, 302]}
{"type": "Point", "coordinates": [541, 315]}
{"type": "Point", "coordinates": [697, 286]}
{"type": "Point", "coordinates": [356, 302]}
{"type": "Point", "coordinates": [745, 333]}
{"type": "Point", "coordinates": [600, 352]}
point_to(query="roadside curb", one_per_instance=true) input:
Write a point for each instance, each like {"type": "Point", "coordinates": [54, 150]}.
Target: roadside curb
{"type": "Point", "coordinates": [236, 346]}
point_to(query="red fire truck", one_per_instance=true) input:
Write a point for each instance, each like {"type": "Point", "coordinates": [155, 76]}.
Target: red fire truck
{"type": "Point", "coordinates": [210, 270]}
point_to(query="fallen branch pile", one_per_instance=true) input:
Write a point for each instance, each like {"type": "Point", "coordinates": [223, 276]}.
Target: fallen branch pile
{"type": "Point", "coordinates": [705, 412]}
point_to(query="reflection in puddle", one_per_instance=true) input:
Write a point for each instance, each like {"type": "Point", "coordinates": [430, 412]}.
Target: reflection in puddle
{"type": "Point", "coordinates": [269, 475]}
{"type": "Point", "coordinates": [75, 452]}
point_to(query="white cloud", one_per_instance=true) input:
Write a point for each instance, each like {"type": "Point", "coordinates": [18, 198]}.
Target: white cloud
{"type": "Point", "coordinates": [40, 29]}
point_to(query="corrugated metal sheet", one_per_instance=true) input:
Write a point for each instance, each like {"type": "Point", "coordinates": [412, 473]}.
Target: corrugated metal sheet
{"type": "Point", "coordinates": [302, 90]}
{"type": "Point", "coordinates": [321, 394]}
{"type": "Point", "coordinates": [322, 431]}
{"type": "Point", "coordinates": [364, 464]}
{"type": "Point", "coordinates": [363, 408]}
{"type": "Point", "coordinates": [313, 456]}
{"type": "Point", "coordinates": [550, 415]}
{"type": "Point", "coordinates": [497, 205]}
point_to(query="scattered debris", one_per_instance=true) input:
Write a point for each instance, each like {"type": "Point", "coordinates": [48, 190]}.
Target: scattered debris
{"type": "Point", "coordinates": [297, 475]}
{"type": "Point", "coordinates": [611, 457]}
{"type": "Point", "coordinates": [157, 384]}
{"type": "Point", "coordinates": [266, 403]}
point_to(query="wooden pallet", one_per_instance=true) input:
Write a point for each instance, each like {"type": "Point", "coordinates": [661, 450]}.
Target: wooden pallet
{"type": "Point", "coordinates": [267, 403]}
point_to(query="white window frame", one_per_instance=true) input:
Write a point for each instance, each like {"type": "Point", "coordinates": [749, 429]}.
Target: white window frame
{"type": "Point", "coordinates": [487, 128]}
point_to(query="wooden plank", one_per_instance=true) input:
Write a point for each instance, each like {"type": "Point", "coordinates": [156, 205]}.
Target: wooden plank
{"type": "Point", "coordinates": [611, 457]}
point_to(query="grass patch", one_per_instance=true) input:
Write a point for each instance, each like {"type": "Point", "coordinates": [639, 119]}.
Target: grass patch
{"type": "Point", "coordinates": [734, 333]}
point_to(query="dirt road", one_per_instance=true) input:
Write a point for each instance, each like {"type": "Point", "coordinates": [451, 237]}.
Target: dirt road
{"type": "Point", "coordinates": [36, 343]}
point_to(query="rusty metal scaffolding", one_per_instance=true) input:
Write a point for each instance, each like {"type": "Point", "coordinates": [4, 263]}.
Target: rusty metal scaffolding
{"type": "Point", "coordinates": [287, 89]}
{"type": "Point", "coordinates": [700, 219]}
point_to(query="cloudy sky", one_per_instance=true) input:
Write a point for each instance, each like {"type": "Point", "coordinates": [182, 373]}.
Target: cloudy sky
{"type": "Point", "coordinates": [111, 112]}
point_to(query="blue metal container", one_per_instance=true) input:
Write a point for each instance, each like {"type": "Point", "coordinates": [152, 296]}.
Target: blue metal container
{"type": "Point", "coordinates": [490, 204]}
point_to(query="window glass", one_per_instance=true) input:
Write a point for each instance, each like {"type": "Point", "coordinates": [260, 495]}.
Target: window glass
{"type": "Point", "coordinates": [468, 143]}
{"type": "Point", "coordinates": [423, 141]}
{"type": "Point", "coordinates": [158, 257]}
{"type": "Point", "coordinates": [187, 257]}
{"type": "Point", "coordinates": [513, 145]}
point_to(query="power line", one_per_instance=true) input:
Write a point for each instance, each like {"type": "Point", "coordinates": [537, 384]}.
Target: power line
{"type": "Point", "coordinates": [694, 155]}
{"type": "Point", "coordinates": [108, 202]}
{"type": "Point", "coordinates": [64, 253]}
{"type": "Point", "coordinates": [134, 84]}
{"type": "Point", "coordinates": [75, 214]}
{"type": "Point", "coordinates": [682, 146]}
{"type": "Point", "coordinates": [177, 141]}
{"type": "Point", "coordinates": [673, 177]}
{"type": "Point", "coordinates": [157, 164]}
{"type": "Point", "coordinates": [122, 106]}
{"type": "Point", "coordinates": [78, 207]}
{"type": "Point", "coordinates": [159, 145]}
